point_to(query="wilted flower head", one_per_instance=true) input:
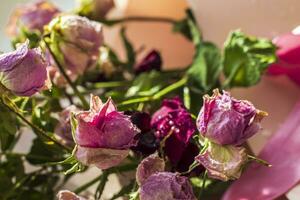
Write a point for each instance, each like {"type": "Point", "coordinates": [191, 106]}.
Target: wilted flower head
{"type": "Point", "coordinates": [288, 56]}
{"type": "Point", "coordinates": [63, 128]}
{"type": "Point", "coordinates": [223, 162]}
{"type": "Point", "coordinates": [166, 186]}
{"type": "Point", "coordinates": [23, 71]}
{"type": "Point", "coordinates": [226, 120]}
{"type": "Point", "coordinates": [95, 9]}
{"type": "Point", "coordinates": [67, 195]}
{"type": "Point", "coordinates": [31, 16]}
{"type": "Point", "coordinates": [172, 120]}
{"type": "Point", "coordinates": [79, 41]}
{"type": "Point", "coordinates": [103, 134]}
{"type": "Point", "coordinates": [152, 61]}
{"type": "Point", "coordinates": [150, 165]}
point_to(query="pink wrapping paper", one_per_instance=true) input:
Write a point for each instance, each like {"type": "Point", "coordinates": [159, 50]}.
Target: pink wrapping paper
{"type": "Point", "coordinates": [282, 151]}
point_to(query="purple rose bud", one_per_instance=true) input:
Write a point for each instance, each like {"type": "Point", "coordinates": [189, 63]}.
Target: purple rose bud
{"type": "Point", "coordinates": [63, 129]}
{"type": "Point", "coordinates": [95, 9]}
{"type": "Point", "coordinates": [228, 121]}
{"type": "Point", "coordinates": [79, 41]}
{"type": "Point", "coordinates": [32, 16]}
{"type": "Point", "coordinates": [223, 162]}
{"type": "Point", "coordinates": [166, 186]}
{"type": "Point", "coordinates": [23, 71]}
{"type": "Point", "coordinates": [103, 134]}
{"type": "Point", "coordinates": [67, 195]}
{"type": "Point", "coordinates": [152, 61]}
{"type": "Point", "coordinates": [172, 120]}
{"type": "Point", "coordinates": [150, 165]}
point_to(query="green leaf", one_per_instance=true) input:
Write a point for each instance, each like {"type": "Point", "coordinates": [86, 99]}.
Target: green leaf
{"type": "Point", "coordinates": [147, 84]}
{"type": "Point", "coordinates": [206, 67]}
{"type": "Point", "coordinates": [246, 58]}
{"type": "Point", "coordinates": [8, 127]}
{"type": "Point", "coordinates": [129, 49]}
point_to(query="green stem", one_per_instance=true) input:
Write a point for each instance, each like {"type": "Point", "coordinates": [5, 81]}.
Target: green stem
{"type": "Point", "coordinates": [203, 184]}
{"type": "Point", "coordinates": [65, 75]}
{"type": "Point", "coordinates": [260, 161]}
{"type": "Point", "coordinates": [37, 130]}
{"type": "Point", "coordinates": [158, 95]}
{"type": "Point", "coordinates": [87, 185]}
{"type": "Point", "coordinates": [101, 186]}
{"type": "Point", "coordinates": [110, 84]}
{"type": "Point", "coordinates": [138, 19]}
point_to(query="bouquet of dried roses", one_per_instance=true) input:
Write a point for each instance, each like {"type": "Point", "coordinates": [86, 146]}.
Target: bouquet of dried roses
{"type": "Point", "coordinates": [180, 131]}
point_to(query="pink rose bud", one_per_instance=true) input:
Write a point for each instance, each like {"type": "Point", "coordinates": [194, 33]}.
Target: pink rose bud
{"type": "Point", "coordinates": [31, 16]}
{"type": "Point", "coordinates": [23, 72]}
{"type": "Point", "coordinates": [228, 121]}
{"type": "Point", "coordinates": [288, 56]}
{"type": "Point", "coordinates": [150, 165]}
{"type": "Point", "coordinates": [104, 135]}
{"type": "Point", "coordinates": [95, 9]}
{"type": "Point", "coordinates": [223, 162]}
{"type": "Point", "coordinates": [173, 120]}
{"type": "Point", "coordinates": [79, 41]}
{"type": "Point", "coordinates": [166, 186]}
{"type": "Point", "coordinates": [152, 61]}
{"type": "Point", "coordinates": [67, 195]}
{"type": "Point", "coordinates": [63, 129]}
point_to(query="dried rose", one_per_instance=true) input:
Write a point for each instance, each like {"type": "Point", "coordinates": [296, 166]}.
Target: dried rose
{"type": "Point", "coordinates": [172, 120]}
{"type": "Point", "coordinates": [31, 16]}
{"type": "Point", "coordinates": [95, 9]}
{"type": "Point", "coordinates": [288, 56]}
{"type": "Point", "coordinates": [150, 165]}
{"type": "Point", "coordinates": [63, 128]}
{"type": "Point", "coordinates": [67, 195]}
{"type": "Point", "coordinates": [103, 134]}
{"type": "Point", "coordinates": [23, 72]}
{"type": "Point", "coordinates": [78, 41]}
{"type": "Point", "coordinates": [223, 162]}
{"type": "Point", "coordinates": [166, 186]}
{"type": "Point", "coordinates": [226, 120]}
{"type": "Point", "coordinates": [152, 61]}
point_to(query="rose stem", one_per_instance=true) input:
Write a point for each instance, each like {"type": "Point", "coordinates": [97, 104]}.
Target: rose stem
{"type": "Point", "coordinates": [138, 19]}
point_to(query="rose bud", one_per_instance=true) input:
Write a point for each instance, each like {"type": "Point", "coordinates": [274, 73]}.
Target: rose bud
{"type": "Point", "coordinates": [103, 134]}
{"type": "Point", "coordinates": [63, 129]}
{"type": "Point", "coordinates": [152, 61]}
{"type": "Point", "coordinates": [166, 186]}
{"type": "Point", "coordinates": [288, 56]}
{"type": "Point", "coordinates": [23, 72]}
{"type": "Point", "coordinates": [228, 121]}
{"type": "Point", "coordinates": [223, 162]}
{"type": "Point", "coordinates": [31, 16]}
{"type": "Point", "coordinates": [149, 166]}
{"type": "Point", "coordinates": [78, 40]}
{"type": "Point", "coordinates": [172, 120]}
{"type": "Point", "coordinates": [95, 9]}
{"type": "Point", "coordinates": [67, 195]}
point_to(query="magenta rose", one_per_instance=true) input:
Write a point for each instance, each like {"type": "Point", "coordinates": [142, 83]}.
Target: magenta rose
{"type": "Point", "coordinates": [228, 121]}
{"type": "Point", "coordinates": [31, 16]}
{"type": "Point", "coordinates": [172, 120]}
{"type": "Point", "coordinates": [78, 41]}
{"type": "Point", "coordinates": [152, 61]}
{"type": "Point", "coordinates": [166, 186]}
{"type": "Point", "coordinates": [23, 72]}
{"type": "Point", "coordinates": [149, 165]}
{"type": "Point", "coordinates": [95, 9]}
{"type": "Point", "coordinates": [103, 134]}
{"type": "Point", "coordinates": [288, 56]}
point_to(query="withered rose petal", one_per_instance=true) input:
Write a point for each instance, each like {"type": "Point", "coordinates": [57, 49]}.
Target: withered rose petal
{"type": "Point", "coordinates": [166, 186]}
{"type": "Point", "coordinates": [152, 61]}
{"type": "Point", "coordinates": [23, 71]}
{"type": "Point", "coordinates": [67, 195]}
{"type": "Point", "coordinates": [101, 157]}
{"type": "Point", "coordinates": [228, 121]}
{"type": "Point", "coordinates": [223, 162]}
{"type": "Point", "coordinates": [149, 166]}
